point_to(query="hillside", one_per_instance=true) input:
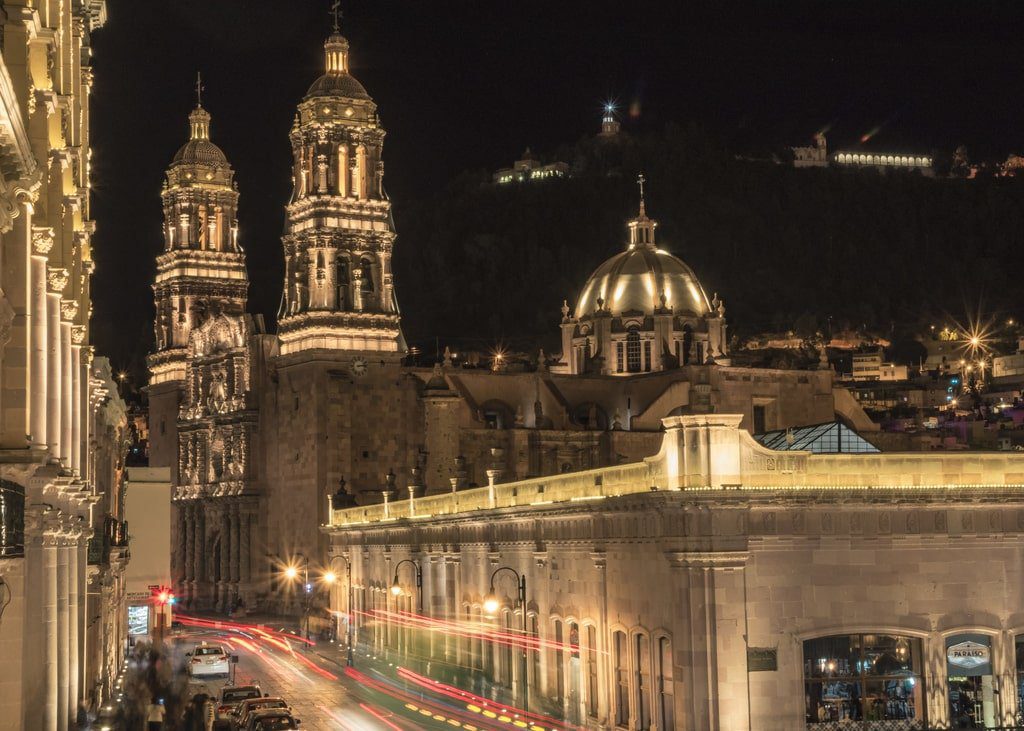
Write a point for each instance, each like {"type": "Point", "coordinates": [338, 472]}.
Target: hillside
{"type": "Point", "coordinates": [493, 263]}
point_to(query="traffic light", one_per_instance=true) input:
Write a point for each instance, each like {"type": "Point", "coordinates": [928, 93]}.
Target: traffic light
{"type": "Point", "coordinates": [165, 596]}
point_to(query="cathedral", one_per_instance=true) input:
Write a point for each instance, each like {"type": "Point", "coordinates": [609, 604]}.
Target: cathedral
{"type": "Point", "coordinates": [267, 432]}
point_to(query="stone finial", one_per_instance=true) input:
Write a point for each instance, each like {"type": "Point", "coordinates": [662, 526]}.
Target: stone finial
{"type": "Point", "coordinates": [565, 310]}
{"type": "Point", "coordinates": [520, 420]}
{"type": "Point", "coordinates": [617, 421]}
{"type": "Point", "coordinates": [447, 357]}
{"type": "Point", "coordinates": [663, 300]}
{"type": "Point", "coordinates": [542, 361]}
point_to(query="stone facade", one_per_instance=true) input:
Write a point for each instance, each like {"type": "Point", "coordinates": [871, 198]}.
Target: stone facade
{"type": "Point", "coordinates": [55, 497]}
{"type": "Point", "coordinates": [262, 431]}
{"type": "Point", "coordinates": [700, 588]}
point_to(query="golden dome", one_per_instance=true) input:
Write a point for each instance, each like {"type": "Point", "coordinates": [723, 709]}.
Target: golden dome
{"type": "Point", "coordinates": [199, 150]}
{"type": "Point", "coordinates": [637, 279]}
{"type": "Point", "coordinates": [337, 81]}
{"type": "Point", "coordinates": [634, 281]}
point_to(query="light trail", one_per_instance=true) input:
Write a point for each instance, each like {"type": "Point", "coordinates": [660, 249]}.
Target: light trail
{"type": "Point", "coordinates": [471, 630]}
{"type": "Point", "coordinates": [381, 718]}
{"type": "Point", "coordinates": [483, 703]}
{"type": "Point", "coordinates": [437, 710]}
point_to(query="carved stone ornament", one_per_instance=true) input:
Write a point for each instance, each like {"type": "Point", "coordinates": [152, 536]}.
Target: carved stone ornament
{"type": "Point", "coordinates": [6, 318]}
{"type": "Point", "coordinates": [68, 309]}
{"type": "Point", "coordinates": [57, 277]}
{"type": "Point", "coordinates": [78, 334]}
{"type": "Point", "coordinates": [42, 240]}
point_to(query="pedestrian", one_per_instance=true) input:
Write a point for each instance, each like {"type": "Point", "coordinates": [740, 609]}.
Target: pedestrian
{"type": "Point", "coordinates": [82, 718]}
{"type": "Point", "coordinates": [209, 714]}
{"type": "Point", "coordinates": [155, 715]}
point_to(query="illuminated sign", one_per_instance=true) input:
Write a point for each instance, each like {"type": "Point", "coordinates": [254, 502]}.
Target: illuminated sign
{"type": "Point", "coordinates": [968, 654]}
{"type": "Point", "coordinates": [138, 620]}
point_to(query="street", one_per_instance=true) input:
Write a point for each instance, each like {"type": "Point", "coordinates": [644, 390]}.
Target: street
{"type": "Point", "coordinates": [325, 694]}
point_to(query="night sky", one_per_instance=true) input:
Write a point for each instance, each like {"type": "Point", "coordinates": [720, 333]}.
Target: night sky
{"type": "Point", "coordinates": [467, 84]}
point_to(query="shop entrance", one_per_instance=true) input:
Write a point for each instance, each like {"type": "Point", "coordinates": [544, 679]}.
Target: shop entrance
{"type": "Point", "coordinates": [972, 696]}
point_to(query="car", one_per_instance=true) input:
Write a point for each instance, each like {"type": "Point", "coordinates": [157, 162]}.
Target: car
{"type": "Point", "coordinates": [207, 659]}
{"type": "Point", "coordinates": [251, 706]}
{"type": "Point", "coordinates": [276, 720]}
{"type": "Point", "coordinates": [232, 695]}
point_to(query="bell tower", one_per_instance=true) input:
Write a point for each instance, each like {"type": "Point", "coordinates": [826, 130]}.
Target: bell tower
{"type": "Point", "coordinates": [201, 270]}
{"type": "Point", "coordinates": [339, 236]}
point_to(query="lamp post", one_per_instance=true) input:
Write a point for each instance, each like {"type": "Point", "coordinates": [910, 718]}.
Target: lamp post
{"type": "Point", "coordinates": [292, 574]}
{"type": "Point", "coordinates": [491, 606]}
{"type": "Point", "coordinates": [330, 578]}
{"type": "Point", "coordinates": [396, 590]}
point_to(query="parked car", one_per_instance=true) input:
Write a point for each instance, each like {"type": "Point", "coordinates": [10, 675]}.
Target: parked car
{"type": "Point", "coordinates": [231, 696]}
{"type": "Point", "coordinates": [252, 706]}
{"type": "Point", "coordinates": [277, 720]}
{"type": "Point", "coordinates": [207, 659]}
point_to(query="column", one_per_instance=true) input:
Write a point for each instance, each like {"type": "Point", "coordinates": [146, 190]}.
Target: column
{"type": "Point", "coordinates": [82, 582]}
{"type": "Point", "coordinates": [68, 308]}
{"type": "Point", "coordinates": [343, 169]}
{"type": "Point", "coordinates": [85, 423]}
{"type": "Point", "coordinates": [244, 557]}
{"type": "Point", "coordinates": [16, 275]}
{"type": "Point", "coordinates": [63, 636]}
{"type": "Point", "coordinates": [189, 538]}
{"type": "Point", "coordinates": [361, 173]}
{"type": "Point", "coordinates": [57, 278]}
{"type": "Point", "coordinates": [225, 557]}
{"type": "Point", "coordinates": [74, 677]}
{"type": "Point", "coordinates": [233, 522]}
{"type": "Point", "coordinates": [198, 554]}
{"type": "Point", "coordinates": [42, 242]}
{"type": "Point", "coordinates": [77, 411]}
{"type": "Point", "coordinates": [50, 632]}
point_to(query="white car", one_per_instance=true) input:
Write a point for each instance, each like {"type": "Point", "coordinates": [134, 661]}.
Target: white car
{"type": "Point", "coordinates": [208, 660]}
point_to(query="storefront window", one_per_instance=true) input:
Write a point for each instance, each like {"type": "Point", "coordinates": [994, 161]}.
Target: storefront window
{"type": "Point", "coordinates": [863, 677]}
{"type": "Point", "coordinates": [972, 689]}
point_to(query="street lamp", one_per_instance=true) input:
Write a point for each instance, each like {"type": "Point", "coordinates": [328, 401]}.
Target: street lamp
{"type": "Point", "coordinates": [330, 578]}
{"type": "Point", "coordinates": [291, 572]}
{"type": "Point", "coordinates": [396, 590]}
{"type": "Point", "coordinates": [491, 606]}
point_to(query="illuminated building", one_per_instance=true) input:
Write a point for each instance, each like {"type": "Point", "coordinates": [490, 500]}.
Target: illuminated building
{"type": "Point", "coordinates": [643, 310]}
{"type": "Point", "coordinates": [885, 161]}
{"type": "Point", "coordinates": [261, 431]}
{"type": "Point", "coordinates": [817, 155]}
{"type": "Point", "coordinates": [62, 426]}
{"type": "Point", "coordinates": [530, 169]}
{"type": "Point", "coordinates": [715, 585]}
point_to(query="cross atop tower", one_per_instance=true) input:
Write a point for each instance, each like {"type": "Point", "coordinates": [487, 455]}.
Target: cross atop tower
{"type": "Point", "coordinates": [336, 12]}
{"type": "Point", "coordinates": [199, 88]}
{"type": "Point", "coordinates": [640, 180]}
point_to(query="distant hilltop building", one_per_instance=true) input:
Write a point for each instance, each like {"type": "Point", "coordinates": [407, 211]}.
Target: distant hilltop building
{"type": "Point", "coordinates": [610, 126]}
{"type": "Point", "coordinates": [816, 155]}
{"type": "Point", "coordinates": [812, 156]}
{"type": "Point", "coordinates": [530, 168]}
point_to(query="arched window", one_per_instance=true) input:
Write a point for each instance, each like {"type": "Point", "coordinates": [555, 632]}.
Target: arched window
{"type": "Point", "coordinates": [666, 689]}
{"type": "Point", "coordinates": [558, 660]}
{"type": "Point", "coordinates": [341, 280]}
{"type": "Point", "coordinates": [687, 344]}
{"type": "Point", "coordinates": [12, 519]}
{"type": "Point", "coordinates": [620, 665]}
{"type": "Point", "coordinates": [642, 662]}
{"type": "Point", "coordinates": [366, 268]}
{"type": "Point", "coordinates": [633, 363]}
{"type": "Point", "coordinates": [863, 677]}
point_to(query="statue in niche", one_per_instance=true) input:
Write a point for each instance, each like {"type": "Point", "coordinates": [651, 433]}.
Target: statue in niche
{"type": "Point", "coordinates": [218, 389]}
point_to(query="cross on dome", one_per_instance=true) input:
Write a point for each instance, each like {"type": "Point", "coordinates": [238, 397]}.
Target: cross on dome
{"type": "Point", "coordinates": [336, 12]}
{"type": "Point", "coordinates": [199, 88]}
